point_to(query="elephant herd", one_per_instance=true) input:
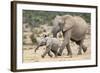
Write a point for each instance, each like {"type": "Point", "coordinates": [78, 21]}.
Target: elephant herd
{"type": "Point", "coordinates": [73, 28]}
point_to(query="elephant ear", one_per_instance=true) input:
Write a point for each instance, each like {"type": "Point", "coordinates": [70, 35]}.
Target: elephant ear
{"type": "Point", "coordinates": [68, 22]}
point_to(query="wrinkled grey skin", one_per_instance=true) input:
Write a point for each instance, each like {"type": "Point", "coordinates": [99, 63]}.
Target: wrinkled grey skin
{"type": "Point", "coordinates": [52, 45]}
{"type": "Point", "coordinates": [73, 28]}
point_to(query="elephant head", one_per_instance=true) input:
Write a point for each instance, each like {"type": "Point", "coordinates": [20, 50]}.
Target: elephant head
{"type": "Point", "coordinates": [41, 42]}
{"type": "Point", "coordinates": [62, 23]}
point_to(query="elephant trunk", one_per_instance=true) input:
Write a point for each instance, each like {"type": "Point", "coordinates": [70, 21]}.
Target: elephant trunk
{"type": "Point", "coordinates": [55, 30]}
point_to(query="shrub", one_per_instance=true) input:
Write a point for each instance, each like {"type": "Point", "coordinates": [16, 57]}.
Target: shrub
{"type": "Point", "coordinates": [34, 41]}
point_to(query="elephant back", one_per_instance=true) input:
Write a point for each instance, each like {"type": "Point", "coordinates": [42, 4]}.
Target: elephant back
{"type": "Point", "coordinates": [80, 23]}
{"type": "Point", "coordinates": [80, 28]}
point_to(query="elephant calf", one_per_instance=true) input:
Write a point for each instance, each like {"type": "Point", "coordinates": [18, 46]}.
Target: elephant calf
{"type": "Point", "coordinates": [52, 45]}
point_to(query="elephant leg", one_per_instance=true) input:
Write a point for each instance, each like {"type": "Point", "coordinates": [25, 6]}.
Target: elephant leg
{"type": "Point", "coordinates": [55, 53]}
{"type": "Point", "coordinates": [46, 51]}
{"type": "Point", "coordinates": [84, 48]}
{"type": "Point", "coordinates": [80, 43]}
{"type": "Point", "coordinates": [67, 36]}
{"type": "Point", "coordinates": [36, 48]}
{"type": "Point", "coordinates": [69, 50]}
{"type": "Point", "coordinates": [81, 47]}
{"type": "Point", "coordinates": [49, 53]}
{"type": "Point", "coordinates": [61, 48]}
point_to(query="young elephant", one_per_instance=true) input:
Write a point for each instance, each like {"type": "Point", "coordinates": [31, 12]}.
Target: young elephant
{"type": "Point", "coordinates": [52, 45]}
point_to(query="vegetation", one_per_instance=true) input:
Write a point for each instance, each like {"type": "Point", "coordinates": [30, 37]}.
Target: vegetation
{"type": "Point", "coordinates": [34, 41]}
{"type": "Point", "coordinates": [35, 18]}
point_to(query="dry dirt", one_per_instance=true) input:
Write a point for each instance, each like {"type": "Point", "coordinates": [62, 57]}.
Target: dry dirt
{"type": "Point", "coordinates": [30, 56]}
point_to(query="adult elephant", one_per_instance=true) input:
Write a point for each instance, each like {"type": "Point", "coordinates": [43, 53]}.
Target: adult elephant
{"type": "Point", "coordinates": [73, 28]}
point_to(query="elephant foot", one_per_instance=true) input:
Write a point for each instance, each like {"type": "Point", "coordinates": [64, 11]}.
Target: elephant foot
{"type": "Point", "coordinates": [59, 54]}
{"type": "Point", "coordinates": [69, 54]}
{"type": "Point", "coordinates": [42, 56]}
{"type": "Point", "coordinates": [79, 53]}
{"type": "Point", "coordinates": [50, 55]}
{"type": "Point", "coordinates": [55, 56]}
{"type": "Point", "coordinates": [85, 49]}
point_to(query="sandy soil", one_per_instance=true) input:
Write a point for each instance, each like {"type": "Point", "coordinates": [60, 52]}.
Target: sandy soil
{"type": "Point", "coordinates": [30, 56]}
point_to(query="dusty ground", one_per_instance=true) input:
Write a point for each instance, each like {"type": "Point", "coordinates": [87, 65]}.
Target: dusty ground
{"type": "Point", "coordinates": [30, 56]}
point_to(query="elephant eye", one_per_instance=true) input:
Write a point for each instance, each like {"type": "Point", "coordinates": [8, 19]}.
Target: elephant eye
{"type": "Point", "coordinates": [60, 24]}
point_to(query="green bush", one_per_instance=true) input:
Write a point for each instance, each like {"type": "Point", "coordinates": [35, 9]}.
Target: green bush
{"type": "Point", "coordinates": [34, 41]}
{"type": "Point", "coordinates": [36, 18]}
